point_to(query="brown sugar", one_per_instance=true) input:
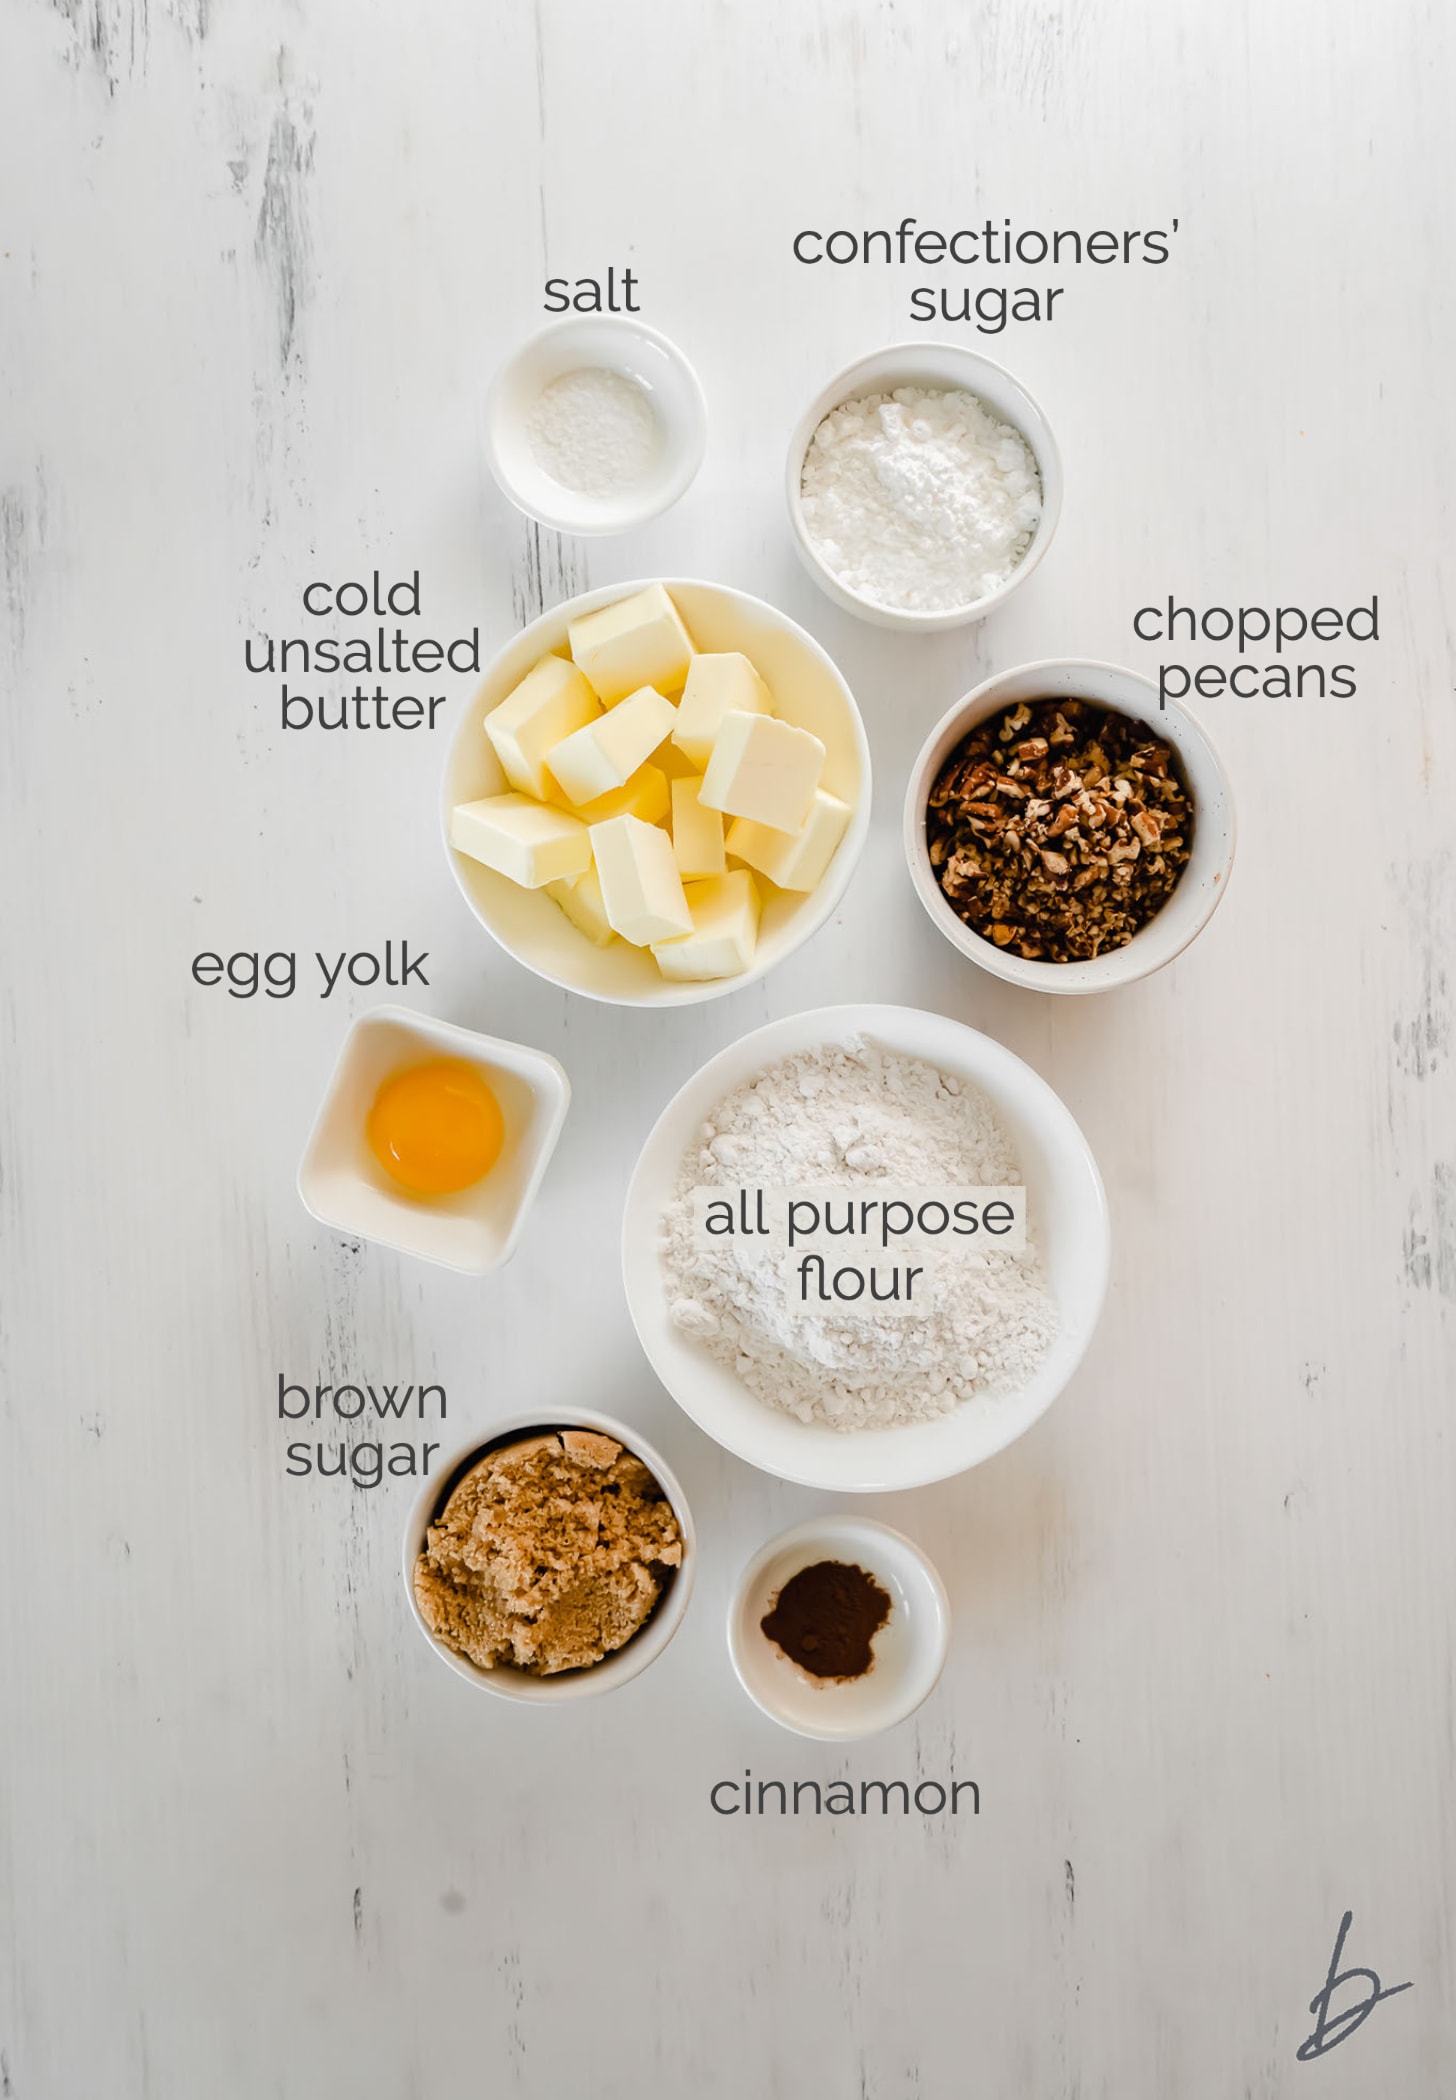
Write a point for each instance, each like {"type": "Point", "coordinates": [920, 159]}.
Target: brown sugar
{"type": "Point", "coordinates": [549, 1555]}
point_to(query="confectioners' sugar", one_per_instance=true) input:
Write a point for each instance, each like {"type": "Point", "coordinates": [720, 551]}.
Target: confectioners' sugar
{"type": "Point", "coordinates": [920, 500]}
{"type": "Point", "coordinates": [837, 1116]}
{"type": "Point", "coordinates": [593, 431]}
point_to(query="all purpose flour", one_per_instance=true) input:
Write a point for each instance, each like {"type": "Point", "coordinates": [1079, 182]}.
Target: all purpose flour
{"type": "Point", "coordinates": [842, 1116]}
{"type": "Point", "coordinates": [920, 501]}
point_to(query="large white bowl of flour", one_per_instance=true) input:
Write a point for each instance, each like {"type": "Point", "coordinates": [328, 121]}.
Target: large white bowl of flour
{"type": "Point", "coordinates": [1012, 1120]}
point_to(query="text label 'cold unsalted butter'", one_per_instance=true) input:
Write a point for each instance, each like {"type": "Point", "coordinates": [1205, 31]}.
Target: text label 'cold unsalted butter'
{"type": "Point", "coordinates": [396, 654]}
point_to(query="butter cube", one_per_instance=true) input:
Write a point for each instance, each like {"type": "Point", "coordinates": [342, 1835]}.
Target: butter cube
{"type": "Point", "coordinates": [795, 860]}
{"type": "Point", "coordinates": [641, 888]}
{"type": "Point", "coordinates": [605, 755]}
{"type": "Point", "coordinates": [528, 841]}
{"type": "Point", "coordinates": [549, 703]}
{"type": "Point", "coordinates": [697, 833]}
{"type": "Point", "coordinates": [715, 684]}
{"type": "Point", "coordinates": [761, 768]}
{"type": "Point", "coordinates": [582, 903]}
{"type": "Point", "coordinates": [639, 641]}
{"type": "Point", "coordinates": [676, 764]}
{"type": "Point", "coordinates": [644, 795]}
{"type": "Point", "coordinates": [725, 930]}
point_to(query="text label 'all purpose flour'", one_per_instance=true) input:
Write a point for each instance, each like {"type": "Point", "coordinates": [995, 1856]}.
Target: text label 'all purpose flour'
{"type": "Point", "coordinates": [858, 1252]}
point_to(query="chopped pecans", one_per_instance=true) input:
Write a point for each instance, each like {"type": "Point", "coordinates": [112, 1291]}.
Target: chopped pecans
{"type": "Point", "coordinates": [1058, 828]}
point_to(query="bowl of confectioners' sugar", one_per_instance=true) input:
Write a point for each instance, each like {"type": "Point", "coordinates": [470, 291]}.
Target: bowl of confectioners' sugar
{"type": "Point", "coordinates": [924, 484]}
{"type": "Point", "coordinates": [865, 1247]}
{"type": "Point", "coordinates": [595, 425]}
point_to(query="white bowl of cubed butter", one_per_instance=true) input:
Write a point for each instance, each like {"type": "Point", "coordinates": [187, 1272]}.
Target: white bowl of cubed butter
{"type": "Point", "coordinates": [659, 791]}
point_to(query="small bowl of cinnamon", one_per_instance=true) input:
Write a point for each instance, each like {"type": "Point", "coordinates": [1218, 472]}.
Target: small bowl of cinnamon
{"type": "Point", "coordinates": [839, 1628]}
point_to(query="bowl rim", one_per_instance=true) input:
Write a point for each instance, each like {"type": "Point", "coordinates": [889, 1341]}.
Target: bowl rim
{"type": "Point", "coordinates": [625, 1663]}
{"type": "Point", "coordinates": [825, 1526]}
{"type": "Point", "coordinates": [1034, 427]}
{"type": "Point", "coordinates": [544, 1075]}
{"type": "Point", "coordinates": [889, 1473]}
{"type": "Point", "coordinates": [820, 902]}
{"type": "Point", "coordinates": [1141, 956]}
{"type": "Point", "coordinates": [686, 456]}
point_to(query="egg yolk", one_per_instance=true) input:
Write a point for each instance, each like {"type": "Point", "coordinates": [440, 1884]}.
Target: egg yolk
{"type": "Point", "coordinates": [436, 1128]}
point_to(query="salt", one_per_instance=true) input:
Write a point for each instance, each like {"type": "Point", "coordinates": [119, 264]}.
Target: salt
{"type": "Point", "coordinates": [593, 431]}
{"type": "Point", "coordinates": [918, 500]}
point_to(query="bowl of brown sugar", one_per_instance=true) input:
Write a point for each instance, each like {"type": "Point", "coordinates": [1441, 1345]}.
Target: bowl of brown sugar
{"type": "Point", "coordinates": [839, 1628]}
{"type": "Point", "coordinates": [1066, 832]}
{"type": "Point", "coordinates": [551, 1559]}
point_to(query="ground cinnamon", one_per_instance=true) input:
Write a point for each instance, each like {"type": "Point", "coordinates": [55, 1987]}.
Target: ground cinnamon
{"type": "Point", "coordinates": [826, 1617]}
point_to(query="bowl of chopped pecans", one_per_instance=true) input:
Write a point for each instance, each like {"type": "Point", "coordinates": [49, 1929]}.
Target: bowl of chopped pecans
{"type": "Point", "coordinates": [1065, 831]}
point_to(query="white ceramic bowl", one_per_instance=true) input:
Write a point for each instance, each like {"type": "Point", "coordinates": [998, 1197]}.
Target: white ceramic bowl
{"type": "Point", "coordinates": [909, 1649]}
{"type": "Point", "coordinates": [343, 1185]}
{"type": "Point", "coordinates": [644, 1647]}
{"type": "Point", "coordinates": [1067, 1211]}
{"type": "Point", "coordinates": [808, 691]}
{"type": "Point", "coordinates": [635, 352]}
{"type": "Point", "coordinates": [937, 366]}
{"type": "Point", "coordinates": [1203, 883]}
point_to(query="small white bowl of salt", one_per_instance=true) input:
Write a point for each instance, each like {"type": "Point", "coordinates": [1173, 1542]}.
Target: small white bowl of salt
{"type": "Point", "coordinates": [595, 425]}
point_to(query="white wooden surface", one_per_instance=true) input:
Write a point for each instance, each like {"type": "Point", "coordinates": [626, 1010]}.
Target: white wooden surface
{"type": "Point", "coordinates": [259, 262]}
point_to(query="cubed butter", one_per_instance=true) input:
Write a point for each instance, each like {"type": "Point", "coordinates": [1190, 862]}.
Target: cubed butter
{"type": "Point", "coordinates": [644, 795]}
{"type": "Point", "coordinates": [716, 684]}
{"type": "Point", "coordinates": [605, 755]}
{"type": "Point", "coordinates": [697, 833]}
{"type": "Point", "coordinates": [639, 641]}
{"type": "Point", "coordinates": [725, 930]}
{"type": "Point", "coordinates": [641, 888]}
{"type": "Point", "coordinates": [676, 764]}
{"type": "Point", "coordinates": [582, 903]}
{"type": "Point", "coordinates": [528, 841]}
{"type": "Point", "coordinates": [795, 860]}
{"type": "Point", "coordinates": [549, 703]}
{"type": "Point", "coordinates": [761, 768]}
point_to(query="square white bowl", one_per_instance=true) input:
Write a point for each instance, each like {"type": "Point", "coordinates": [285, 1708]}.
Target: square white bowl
{"type": "Point", "coordinates": [475, 1230]}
